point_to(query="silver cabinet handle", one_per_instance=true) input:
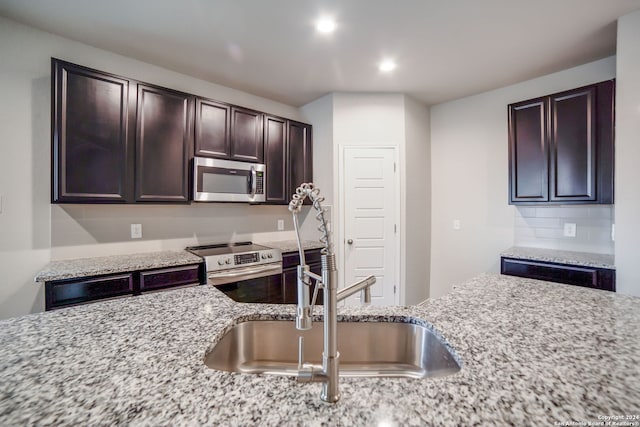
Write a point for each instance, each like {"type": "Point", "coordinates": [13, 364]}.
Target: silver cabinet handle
{"type": "Point", "coordinates": [350, 242]}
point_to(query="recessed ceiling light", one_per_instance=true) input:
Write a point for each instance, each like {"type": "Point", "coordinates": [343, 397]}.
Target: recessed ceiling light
{"type": "Point", "coordinates": [387, 65]}
{"type": "Point", "coordinates": [326, 25]}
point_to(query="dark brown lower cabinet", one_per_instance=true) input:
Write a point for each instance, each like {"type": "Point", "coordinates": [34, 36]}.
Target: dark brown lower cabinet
{"type": "Point", "coordinates": [290, 262]}
{"type": "Point", "coordinates": [83, 290]}
{"type": "Point", "coordinates": [153, 280]}
{"type": "Point", "coordinates": [590, 277]}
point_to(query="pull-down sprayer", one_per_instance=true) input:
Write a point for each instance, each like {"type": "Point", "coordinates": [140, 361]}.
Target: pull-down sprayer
{"type": "Point", "coordinates": [328, 375]}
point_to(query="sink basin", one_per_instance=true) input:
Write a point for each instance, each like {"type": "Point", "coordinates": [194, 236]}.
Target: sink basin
{"type": "Point", "coordinates": [367, 349]}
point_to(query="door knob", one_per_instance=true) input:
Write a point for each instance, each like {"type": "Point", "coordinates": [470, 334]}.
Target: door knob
{"type": "Point", "coordinates": [350, 241]}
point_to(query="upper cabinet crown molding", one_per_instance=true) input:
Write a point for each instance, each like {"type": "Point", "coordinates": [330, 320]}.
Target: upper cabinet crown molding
{"type": "Point", "coordinates": [561, 147]}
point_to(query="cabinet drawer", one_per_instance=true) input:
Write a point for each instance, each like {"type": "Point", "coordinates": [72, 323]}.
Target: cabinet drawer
{"type": "Point", "coordinates": [70, 292]}
{"type": "Point", "coordinates": [292, 259]}
{"type": "Point", "coordinates": [169, 277]}
{"type": "Point", "coordinates": [290, 284]}
{"type": "Point", "coordinates": [590, 277]}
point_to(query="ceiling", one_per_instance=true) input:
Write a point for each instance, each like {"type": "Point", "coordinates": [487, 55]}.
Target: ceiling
{"type": "Point", "coordinates": [444, 49]}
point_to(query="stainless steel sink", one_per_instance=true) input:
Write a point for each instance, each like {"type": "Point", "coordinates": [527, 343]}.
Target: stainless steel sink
{"type": "Point", "coordinates": [367, 349]}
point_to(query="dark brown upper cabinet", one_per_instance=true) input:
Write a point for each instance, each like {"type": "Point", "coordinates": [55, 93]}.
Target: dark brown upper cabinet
{"type": "Point", "coordinates": [288, 148]}
{"type": "Point", "coordinates": [228, 132]}
{"type": "Point", "coordinates": [275, 152]}
{"type": "Point", "coordinates": [91, 139]}
{"type": "Point", "coordinates": [213, 127]}
{"type": "Point", "coordinates": [116, 140]}
{"type": "Point", "coordinates": [561, 147]}
{"type": "Point", "coordinates": [299, 156]}
{"type": "Point", "coordinates": [246, 135]}
{"type": "Point", "coordinates": [164, 137]}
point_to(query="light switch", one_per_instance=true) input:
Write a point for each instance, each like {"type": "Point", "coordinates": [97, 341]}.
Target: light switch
{"type": "Point", "coordinates": [456, 224]}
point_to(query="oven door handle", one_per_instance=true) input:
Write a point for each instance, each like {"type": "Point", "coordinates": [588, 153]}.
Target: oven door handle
{"type": "Point", "coordinates": [229, 276]}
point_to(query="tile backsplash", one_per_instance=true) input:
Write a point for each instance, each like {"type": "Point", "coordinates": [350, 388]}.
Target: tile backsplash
{"type": "Point", "coordinates": [543, 227]}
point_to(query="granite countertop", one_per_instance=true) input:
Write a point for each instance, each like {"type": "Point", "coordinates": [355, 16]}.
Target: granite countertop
{"type": "Point", "coordinates": [562, 257]}
{"type": "Point", "coordinates": [533, 353]}
{"type": "Point", "coordinates": [83, 267]}
{"type": "Point", "coordinates": [292, 245]}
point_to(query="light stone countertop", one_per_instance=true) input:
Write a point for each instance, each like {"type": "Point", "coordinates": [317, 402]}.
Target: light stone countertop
{"type": "Point", "coordinates": [533, 353]}
{"type": "Point", "coordinates": [291, 245]}
{"type": "Point", "coordinates": [95, 266]}
{"type": "Point", "coordinates": [561, 257]}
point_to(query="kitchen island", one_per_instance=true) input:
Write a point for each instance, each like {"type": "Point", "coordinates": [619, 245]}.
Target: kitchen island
{"type": "Point", "coordinates": [532, 353]}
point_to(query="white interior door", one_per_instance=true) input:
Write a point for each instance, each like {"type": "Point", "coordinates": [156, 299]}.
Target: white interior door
{"type": "Point", "coordinates": [370, 224]}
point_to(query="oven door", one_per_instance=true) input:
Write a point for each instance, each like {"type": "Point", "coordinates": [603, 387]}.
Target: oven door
{"type": "Point", "coordinates": [258, 284]}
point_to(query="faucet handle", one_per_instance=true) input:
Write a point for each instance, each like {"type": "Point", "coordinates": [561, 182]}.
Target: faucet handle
{"type": "Point", "coordinates": [366, 296]}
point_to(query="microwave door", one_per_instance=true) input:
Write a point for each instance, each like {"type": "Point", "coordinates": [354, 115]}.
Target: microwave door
{"type": "Point", "coordinates": [222, 184]}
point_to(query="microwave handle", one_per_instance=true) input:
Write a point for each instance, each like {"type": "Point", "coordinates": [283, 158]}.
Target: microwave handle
{"type": "Point", "coordinates": [253, 181]}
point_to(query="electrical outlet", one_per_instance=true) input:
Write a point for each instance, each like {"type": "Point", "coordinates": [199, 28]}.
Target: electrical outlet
{"type": "Point", "coordinates": [136, 231]}
{"type": "Point", "coordinates": [456, 224]}
{"type": "Point", "coordinates": [569, 229]}
{"type": "Point", "coordinates": [280, 224]}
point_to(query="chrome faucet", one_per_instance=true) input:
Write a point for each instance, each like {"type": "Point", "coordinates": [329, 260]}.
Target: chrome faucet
{"type": "Point", "coordinates": [328, 281]}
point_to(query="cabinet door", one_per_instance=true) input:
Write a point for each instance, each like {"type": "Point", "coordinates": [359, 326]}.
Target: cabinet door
{"type": "Point", "coordinates": [605, 123]}
{"type": "Point", "coordinates": [169, 278]}
{"type": "Point", "coordinates": [92, 157]}
{"type": "Point", "coordinates": [246, 135]}
{"type": "Point", "coordinates": [528, 151]}
{"type": "Point", "coordinates": [299, 157]}
{"type": "Point", "coordinates": [78, 291]}
{"type": "Point", "coordinates": [213, 122]}
{"type": "Point", "coordinates": [290, 263]}
{"type": "Point", "coordinates": [573, 151]}
{"type": "Point", "coordinates": [164, 138]}
{"type": "Point", "coordinates": [275, 132]}
{"type": "Point", "coordinates": [590, 277]}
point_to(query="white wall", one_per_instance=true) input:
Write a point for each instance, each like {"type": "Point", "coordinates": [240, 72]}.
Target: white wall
{"type": "Point", "coordinates": [543, 227]}
{"type": "Point", "coordinates": [627, 212]}
{"type": "Point", "coordinates": [32, 231]}
{"type": "Point", "coordinates": [374, 119]}
{"type": "Point", "coordinates": [320, 113]}
{"type": "Point", "coordinates": [417, 221]}
{"type": "Point", "coordinates": [469, 168]}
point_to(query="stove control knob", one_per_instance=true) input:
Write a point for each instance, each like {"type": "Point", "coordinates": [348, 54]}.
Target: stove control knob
{"type": "Point", "coordinates": [270, 255]}
{"type": "Point", "coordinates": [263, 256]}
{"type": "Point", "coordinates": [220, 262]}
{"type": "Point", "coordinates": [228, 261]}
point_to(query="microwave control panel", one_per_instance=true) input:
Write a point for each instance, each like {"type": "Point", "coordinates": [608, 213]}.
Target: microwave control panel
{"type": "Point", "coordinates": [259, 182]}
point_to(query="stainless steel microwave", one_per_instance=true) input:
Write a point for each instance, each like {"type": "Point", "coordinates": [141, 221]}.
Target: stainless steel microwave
{"type": "Point", "coordinates": [217, 180]}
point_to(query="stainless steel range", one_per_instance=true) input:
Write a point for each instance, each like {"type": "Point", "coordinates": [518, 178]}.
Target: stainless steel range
{"type": "Point", "coordinates": [244, 271]}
